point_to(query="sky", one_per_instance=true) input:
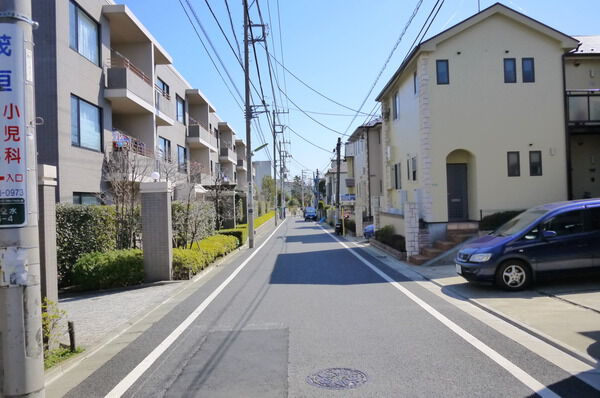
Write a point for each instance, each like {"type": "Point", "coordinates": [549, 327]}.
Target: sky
{"type": "Point", "coordinates": [336, 47]}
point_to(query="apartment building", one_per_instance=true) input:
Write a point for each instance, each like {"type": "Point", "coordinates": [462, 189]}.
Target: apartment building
{"type": "Point", "coordinates": [105, 84]}
{"type": "Point", "coordinates": [474, 123]}
{"type": "Point", "coordinates": [263, 168]}
{"type": "Point", "coordinates": [331, 183]}
{"type": "Point", "coordinates": [365, 176]}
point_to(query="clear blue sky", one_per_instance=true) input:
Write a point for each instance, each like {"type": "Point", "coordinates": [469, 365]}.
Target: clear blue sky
{"type": "Point", "coordinates": [336, 46]}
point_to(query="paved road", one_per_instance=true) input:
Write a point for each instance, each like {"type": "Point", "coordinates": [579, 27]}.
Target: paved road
{"type": "Point", "coordinates": [306, 302]}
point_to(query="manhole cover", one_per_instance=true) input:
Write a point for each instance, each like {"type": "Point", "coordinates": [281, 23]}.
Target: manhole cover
{"type": "Point", "coordinates": [337, 378]}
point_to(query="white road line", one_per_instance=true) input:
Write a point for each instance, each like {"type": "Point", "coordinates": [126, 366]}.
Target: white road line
{"type": "Point", "coordinates": [145, 364]}
{"type": "Point", "coordinates": [513, 369]}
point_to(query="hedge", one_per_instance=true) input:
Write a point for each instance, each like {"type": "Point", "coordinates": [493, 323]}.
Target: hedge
{"type": "Point", "coordinates": [241, 231]}
{"type": "Point", "coordinates": [115, 268]}
{"type": "Point", "coordinates": [387, 236]}
{"type": "Point", "coordinates": [494, 221]}
{"type": "Point", "coordinates": [188, 262]}
{"type": "Point", "coordinates": [79, 230]}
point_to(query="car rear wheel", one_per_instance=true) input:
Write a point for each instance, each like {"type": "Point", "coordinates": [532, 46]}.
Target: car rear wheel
{"type": "Point", "coordinates": [513, 275]}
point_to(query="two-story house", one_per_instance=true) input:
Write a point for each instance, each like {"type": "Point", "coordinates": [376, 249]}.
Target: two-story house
{"type": "Point", "coordinates": [474, 123]}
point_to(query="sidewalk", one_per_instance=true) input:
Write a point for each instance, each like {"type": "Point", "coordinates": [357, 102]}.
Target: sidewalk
{"type": "Point", "coordinates": [564, 312]}
{"type": "Point", "coordinates": [101, 316]}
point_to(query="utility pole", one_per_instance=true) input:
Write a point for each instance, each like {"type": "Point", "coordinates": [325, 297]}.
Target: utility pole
{"type": "Point", "coordinates": [22, 364]}
{"type": "Point", "coordinates": [337, 185]}
{"type": "Point", "coordinates": [302, 187]}
{"type": "Point", "coordinates": [275, 164]}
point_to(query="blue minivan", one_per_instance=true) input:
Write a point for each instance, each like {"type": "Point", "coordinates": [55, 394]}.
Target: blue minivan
{"type": "Point", "coordinates": [560, 236]}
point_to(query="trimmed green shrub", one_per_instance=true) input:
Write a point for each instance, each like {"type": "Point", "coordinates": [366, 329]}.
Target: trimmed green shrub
{"type": "Point", "coordinates": [387, 236]}
{"type": "Point", "coordinates": [116, 268]}
{"type": "Point", "coordinates": [350, 225]}
{"type": "Point", "coordinates": [240, 233]}
{"type": "Point", "coordinates": [187, 262]}
{"type": "Point", "coordinates": [264, 218]}
{"type": "Point", "coordinates": [493, 221]}
{"type": "Point", "coordinates": [79, 230]}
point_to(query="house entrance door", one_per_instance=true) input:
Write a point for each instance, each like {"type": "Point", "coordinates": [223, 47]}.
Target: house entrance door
{"type": "Point", "coordinates": [458, 206]}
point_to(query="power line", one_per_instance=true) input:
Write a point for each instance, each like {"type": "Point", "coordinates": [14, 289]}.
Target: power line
{"type": "Point", "coordinates": [239, 59]}
{"type": "Point", "coordinates": [211, 58]}
{"type": "Point", "coordinates": [237, 43]}
{"type": "Point", "coordinates": [311, 143]}
{"type": "Point", "coordinates": [312, 118]}
{"type": "Point", "coordinates": [211, 45]}
{"type": "Point", "coordinates": [329, 114]}
{"type": "Point", "coordinates": [309, 86]}
{"type": "Point", "coordinates": [387, 60]}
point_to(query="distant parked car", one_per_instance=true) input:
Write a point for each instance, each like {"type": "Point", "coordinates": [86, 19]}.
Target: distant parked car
{"type": "Point", "coordinates": [310, 213]}
{"type": "Point", "coordinates": [562, 236]}
{"type": "Point", "coordinates": [369, 231]}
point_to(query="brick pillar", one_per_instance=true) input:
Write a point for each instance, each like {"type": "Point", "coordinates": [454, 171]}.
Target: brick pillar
{"type": "Point", "coordinates": [47, 231]}
{"type": "Point", "coordinates": [156, 230]}
{"type": "Point", "coordinates": [411, 228]}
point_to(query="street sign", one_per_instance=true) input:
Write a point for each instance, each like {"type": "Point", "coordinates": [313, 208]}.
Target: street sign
{"type": "Point", "coordinates": [13, 170]}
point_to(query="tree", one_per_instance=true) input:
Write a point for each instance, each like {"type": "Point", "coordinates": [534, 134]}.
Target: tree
{"type": "Point", "coordinates": [123, 170]}
{"type": "Point", "coordinates": [222, 201]}
{"type": "Point", "coordinates": [268, 189]}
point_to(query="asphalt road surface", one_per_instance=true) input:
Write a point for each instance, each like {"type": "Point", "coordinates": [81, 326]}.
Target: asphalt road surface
{"type": "Point", "coordinates": [303, 315]}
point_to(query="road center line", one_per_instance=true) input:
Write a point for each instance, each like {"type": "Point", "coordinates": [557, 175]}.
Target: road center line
{"type": "Point", "coordinates": [513, 369]}
{"type": "Point", "coordinates": [145, 364]}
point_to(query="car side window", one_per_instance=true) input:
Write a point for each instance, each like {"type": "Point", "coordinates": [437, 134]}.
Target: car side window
{"type": "Point", "coordinates": [593, 219]}
{"type": "Point", "coordinates": [568, 223]}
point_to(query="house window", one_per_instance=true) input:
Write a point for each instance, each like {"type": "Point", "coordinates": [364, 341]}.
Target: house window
{"type": "Point", "coordinates": [510, 70]}
{"type": "Point", "coordinates": [514, 165]}
{"type": "Point", "coordinates": [181, 159]}
{"type": "Point", "coordinates": [415, 83]}
{"type": "Point", "coordinates": [414, 168]}
{"type": "Point", "coordinates": [164, 149]}
{"type": "Point", "coordinates": [443, 74]}
{"type": "Point", "coordinates": [83, 33]}
{"type": "Point", "coordinates": [211, 167]}
{"type": "Point", "coordinates": [397, 176]}
{"type": "Point", "coordinates": [180, 109]}
{"type": "Point", "coordinates": [86, 129]}
{"type": "Point", "coordinates": [535, 163]}
{"type": "Point", "coordinates": [396, 105]}
{"type": "Point", "coordinates": [85, 198]}
{"type": "Point", "coordinates": [528, 70]}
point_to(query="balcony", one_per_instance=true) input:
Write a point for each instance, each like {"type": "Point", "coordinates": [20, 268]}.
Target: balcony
{"type": "Point", "coordinates": [242, 164]}
{"type": "Point", "coordinates": [131, 156]}
{"type": "Point", "coordinates": [165, 110]}
{"type": "Point", "coordinates": [228, 155]}
{"type": "Point", "coordinates": [349, 150]}
{"type": "Point", "coordinates": [583, 107]}
{"type": "Point", "coordinates": [124, 142]}
{"type": "Point", "coordinates": [129, 89]}
{"type": "Point", "coordinates": [200, 137]}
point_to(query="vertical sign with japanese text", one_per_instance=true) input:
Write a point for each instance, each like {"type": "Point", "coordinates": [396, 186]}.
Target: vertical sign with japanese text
{"type": "Point", "coordinates": [13, 170]}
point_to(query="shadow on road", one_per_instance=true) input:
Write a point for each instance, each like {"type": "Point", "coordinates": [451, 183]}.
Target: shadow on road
{"type": "Point", "coordinates": [324, 267]}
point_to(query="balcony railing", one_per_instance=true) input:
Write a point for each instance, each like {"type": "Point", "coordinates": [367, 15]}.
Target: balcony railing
{"type": "Point", "coordinates": [118, 60]}
{"type": "Point", "coordinates": [584, 106]}
{"type": "Point", "coordinates": [194, 122]}
{"type": "Point", "coordinates": [122, 141]}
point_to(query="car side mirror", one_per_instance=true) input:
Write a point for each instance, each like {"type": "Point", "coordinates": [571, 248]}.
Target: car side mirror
{"type": "Point", "coordinates": [549, 234]}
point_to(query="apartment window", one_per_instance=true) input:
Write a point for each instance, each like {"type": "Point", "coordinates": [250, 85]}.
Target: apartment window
{"type": "Point", "coordinates": [164, 148]}
{"type": "Point", "coordinates": [86, 129]}
{"type": "Point", "coordinates": [510, 70]}
{"type": "Point", "coordinates": [396, 105]}
{"type": "Point", "coordinates": [513, 163]}
{"type": "Point", "coordinates": [211, 168]}
{"type": "Point", "coordinates": [181, 159]}
{"type": "Point", "coordinates": [443, 74]}
{"type": "Point", "coordinates": [528, 70]}
{"type": "Point", "coordinates": [180, 109]}
{"type": "Point", "coordinates": [163, 87]}
{"type": "Point", "coordinates": [535, 163]}
{"type": "Point", "coordinates": [83, 33]}
{"type": "Point", "coordinates": [85, 198]}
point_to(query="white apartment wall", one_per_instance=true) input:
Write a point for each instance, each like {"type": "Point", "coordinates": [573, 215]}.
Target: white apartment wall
{"type": "Point", "coordinates": [582, 73]}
